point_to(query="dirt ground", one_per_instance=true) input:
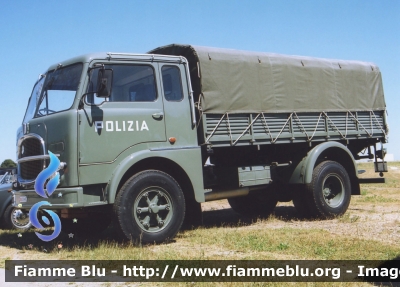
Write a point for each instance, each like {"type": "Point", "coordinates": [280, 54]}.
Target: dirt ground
{"type": "Point", "coordinates": [374, 215]}
{"type": "Point", "coordinates": [377, 223]}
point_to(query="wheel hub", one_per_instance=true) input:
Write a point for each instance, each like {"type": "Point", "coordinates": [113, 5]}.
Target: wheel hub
{"type": "Point", "coordinates": [152, 209]}
{"type": "Point", "coordinates": [333, 190]}
{"type": "Point", "coordinates": [326, 191]}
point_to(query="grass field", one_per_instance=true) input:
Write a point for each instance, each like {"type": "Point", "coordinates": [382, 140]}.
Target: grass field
{"type": "Point", "coordinates": [369, 230]}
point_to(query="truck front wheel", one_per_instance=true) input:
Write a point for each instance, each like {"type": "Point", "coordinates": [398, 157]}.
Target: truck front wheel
{"type": "Point", "coordinates": [149, 208]}
{"type": "Point", "coordinates": [330, 190]}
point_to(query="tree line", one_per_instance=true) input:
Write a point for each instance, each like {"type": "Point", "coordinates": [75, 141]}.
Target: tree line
{"type": "Point", "coordinates": [8, 163]}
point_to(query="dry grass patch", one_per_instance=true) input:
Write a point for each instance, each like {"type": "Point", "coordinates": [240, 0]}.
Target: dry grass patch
{"type": "Point", "coordinates": [292, 242]}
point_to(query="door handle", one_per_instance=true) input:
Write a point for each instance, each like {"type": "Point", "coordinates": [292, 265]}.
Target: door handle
{"type": "Point", "coordinates": [158, 116]}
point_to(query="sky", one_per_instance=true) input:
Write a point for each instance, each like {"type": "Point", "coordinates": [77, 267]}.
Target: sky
{"type": "Point", "coordinates": [37, 34]}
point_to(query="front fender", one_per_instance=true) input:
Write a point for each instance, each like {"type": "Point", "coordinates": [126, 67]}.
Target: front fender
{"type": "Point", "coordinates": [120, 170]}
{"type": "Point", "coordinates": [188, 159]}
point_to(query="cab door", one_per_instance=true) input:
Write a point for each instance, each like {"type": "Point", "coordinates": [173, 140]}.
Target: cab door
{"type": "Point", "coordinates": [177, 106]}
{"type": "Point", "coordinates": [132, 116]}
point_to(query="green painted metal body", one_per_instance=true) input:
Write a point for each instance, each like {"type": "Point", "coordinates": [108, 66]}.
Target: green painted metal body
{"type": "Point", "coordinates": [98, 159]}
{"type": "Point", "coordinates": [104, 144]}
{"type": "Point", "coordinates": [304, 169]}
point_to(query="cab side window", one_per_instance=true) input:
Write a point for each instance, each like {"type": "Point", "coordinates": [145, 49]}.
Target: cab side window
{"type": "Point", "coordinates": [172, 83]}
{"type": "Point", "coordinates": [131, 83]}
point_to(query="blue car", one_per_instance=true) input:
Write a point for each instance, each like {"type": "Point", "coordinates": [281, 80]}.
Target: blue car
{"type": "Point", "coordinates": [10, 217]}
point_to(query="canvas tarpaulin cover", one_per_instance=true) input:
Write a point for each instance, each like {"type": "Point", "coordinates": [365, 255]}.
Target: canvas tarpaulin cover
{"type": "Point", "coordinates": [251, 82]}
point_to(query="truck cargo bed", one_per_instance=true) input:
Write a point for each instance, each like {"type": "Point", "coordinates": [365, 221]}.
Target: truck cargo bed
{"type": "Point", "coordinates": [274, 128]}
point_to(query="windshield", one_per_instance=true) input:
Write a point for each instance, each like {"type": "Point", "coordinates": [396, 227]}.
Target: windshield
{"type": "Point", "coordinates": [54, 92]}
{"type": "Point", "coordinates": [37, 89]}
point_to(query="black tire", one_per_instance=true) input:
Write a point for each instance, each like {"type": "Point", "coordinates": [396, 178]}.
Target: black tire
{"type": "Point", "coordinates": [149, 208]}
{"type": "Point", "coordinates": [330, 190]}
{"type": "Point", "coordinates": [254, 204]}
{"type": "Point", "coordinates": [15, 218]}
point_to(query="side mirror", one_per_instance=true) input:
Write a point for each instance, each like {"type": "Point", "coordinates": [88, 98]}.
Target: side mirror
{"type": "Point", "coordinates": [104, 83]}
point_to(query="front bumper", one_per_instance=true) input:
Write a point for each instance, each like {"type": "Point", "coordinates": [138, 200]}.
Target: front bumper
{"type": "Point", "coordinates": [61, 198]}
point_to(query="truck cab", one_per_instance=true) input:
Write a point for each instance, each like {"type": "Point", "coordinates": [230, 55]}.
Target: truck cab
{"type": "Point", "coordinates": [143, 118]}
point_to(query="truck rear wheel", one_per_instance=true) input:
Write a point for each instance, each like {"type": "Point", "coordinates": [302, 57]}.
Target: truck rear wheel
{"type": "Point", "coordinates": [254, 204]}
{"type": "Point", "coordinates": [330, 190]}
{"type": "Point", "coordinates": [149, 208]}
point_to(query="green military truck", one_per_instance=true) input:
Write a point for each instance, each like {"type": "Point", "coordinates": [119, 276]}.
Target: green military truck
{"type": "Point", "coordinates": [143, 139]}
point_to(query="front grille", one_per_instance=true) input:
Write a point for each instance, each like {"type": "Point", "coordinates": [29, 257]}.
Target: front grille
{"type": "Point", "coordinates": [30, 147]}
{"type": "Point", "coordinates": [29, 170]}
